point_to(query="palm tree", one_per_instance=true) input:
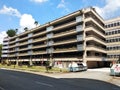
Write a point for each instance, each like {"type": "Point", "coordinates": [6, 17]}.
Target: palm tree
{"type": "Point", "coordinates": [26, 29]}
{"type": "Point", "coordinates": [36, 23]}
{"type": "Point", "coordinates": [16, 30]}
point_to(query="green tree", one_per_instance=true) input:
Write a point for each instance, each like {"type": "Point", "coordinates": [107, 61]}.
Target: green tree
{"type": "Point", "coordinates": [11, 32]}
{"type": "Point", "coordinates": [0, 50]}
{"type": "Point", "coordinates": [26, 29]}
{"type": "Point", "coordinates": [16, 30]}
{"type": "Point", "coordinates": [36, 23]}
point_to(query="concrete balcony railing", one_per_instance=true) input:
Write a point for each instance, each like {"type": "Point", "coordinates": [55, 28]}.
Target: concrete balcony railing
{"type": "Point", "coordinates": [4, 55]}
{"type": "Point", "coordinates": [65, 33]}
{"type": "Point", "coordinates": [11, 42]}
{"type": "Point", "coordinates": [112, 28]}
{"type": "Point", "coordinates": [5, 43]}
{"type": "Point", "coordinates": [95, 48]}
{"type": "Point", "coordinates": [65, 42]}
{"type": "Point", "coordinates": [5, 47]}
{"type": "Point", "coordinates": [38, 34]}
{"type": "Point", "coordinates": [25, 38]}
{"type": "Point", "coordinates": [91, 28]}
{"type": "Point", "coordinates": [23, 49]}
{"type": "Point", "coordinates": [113, 43]}
{"type": "Point", "coordinates": [38, 52]}
{"type": "Point", "coordinates": [91, 37]}
{"type": "Point", "coordinates": [24, 43]}
{"type": "Point", "coordinates": [91, 19]}
{"type": "Point", "coordinates": [4, 51]}
{"type": "Point", "coordinates": [72, 23]}
{"type": "Point", "coordinates": [23, 54]}
{"type": "Point", "coordinates": [39, 39]}
{"type": "Point", "coordinates": [11, 51]}
{"type": "Point", "coordinates": [72, 49]}
{"type": "Point", "coordinates": [114, 35]}
{"type": "Point", "coordinates": [11, 55]}
{"type": "Point", "coordinates": [40, 46]}
{"type": "Point", "coordinates": [88, 10]}
{"type": "Point", "coordinates": [112, 59]}
{"type": "Point", "coordinates": [113, 51]}
{"type": "Point", "coordinates": [96, 58]}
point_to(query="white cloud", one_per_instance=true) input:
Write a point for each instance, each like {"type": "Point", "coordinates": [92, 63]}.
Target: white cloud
{"type": "Point", "coordinates": [39, 1]}
{"type": "Point", "coordinates": [110, 8]}
{"type": "Point", "coordinates": [2, 35]}
{"type": "Point", "coordinates": [26, 20]}
{"type": "Point", "coordinates": [62, 4]}
{"type": "Point", "coordinates": [10, 11]}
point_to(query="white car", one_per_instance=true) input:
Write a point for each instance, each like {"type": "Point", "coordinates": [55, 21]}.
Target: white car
{"type": "Point", "coordinates": [115, 69]}
{"type": "Point", "coordinates": [74, 67]}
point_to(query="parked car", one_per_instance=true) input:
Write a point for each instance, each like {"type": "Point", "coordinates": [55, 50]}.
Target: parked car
{"type": "Point", "coordinates": [115, 68]}
{"type": "Point", "coordinates": [74, 67]}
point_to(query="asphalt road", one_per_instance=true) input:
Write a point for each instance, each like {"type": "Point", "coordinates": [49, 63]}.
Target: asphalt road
{"type": "Point", "coordinates": [13, 80]}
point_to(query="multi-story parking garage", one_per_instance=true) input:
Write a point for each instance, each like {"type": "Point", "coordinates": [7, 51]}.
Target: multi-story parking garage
{"type": "Point", "coordinates": [78, 37]}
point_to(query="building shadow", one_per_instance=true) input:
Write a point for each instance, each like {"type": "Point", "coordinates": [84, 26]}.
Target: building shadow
{"type": "Point", "coordinates": [90, 84]}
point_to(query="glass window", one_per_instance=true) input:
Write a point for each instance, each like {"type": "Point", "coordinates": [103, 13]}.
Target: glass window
{"type": "Point", "coordinates": [30, 52]}
{"type": "Point", "coordinates": [30, 41]}
{"type": "Point", "coordinates": [115, 24]}
{"type": "Point", "coordinates": [30, 35]}
{"type": "Point", "coordinates": [111, 25]}
{"type": "Point", "coordinates": [78, 18]}
{"type": "Point", "coordinates": [118, 31]}
{"type": "Point", "coordinates": [79, 28]}
{"type": "Point", "coordinates": [49, 35]}
{"type": "Point", "coordinates": [49, 28]}
{"type": "Point", "coordinates": [29, 46]}
{"type": "Point", "coordinates": [79, 37]}
{"type": "Point", "coordinates": [113, 32]}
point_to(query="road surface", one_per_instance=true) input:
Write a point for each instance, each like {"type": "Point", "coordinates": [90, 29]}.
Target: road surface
{"type": "Point", "coordinates": [13, 80]}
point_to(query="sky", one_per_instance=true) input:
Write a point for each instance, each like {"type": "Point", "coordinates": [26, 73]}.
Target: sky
{"type": "Point", "coordinates": [18, 14]}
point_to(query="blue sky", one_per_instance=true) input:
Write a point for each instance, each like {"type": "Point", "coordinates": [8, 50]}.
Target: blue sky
{"type": "Point", "coordinates": [22, 13]}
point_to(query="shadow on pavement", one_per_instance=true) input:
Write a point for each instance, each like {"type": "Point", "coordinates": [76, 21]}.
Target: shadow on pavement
{"type": "Point", "coordinates": [90, 84]}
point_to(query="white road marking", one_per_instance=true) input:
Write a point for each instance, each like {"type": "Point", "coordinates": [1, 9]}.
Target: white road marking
{"type": "Point", "coordinates": [45, 84]}
{"type": "Point", "coordinates": [2, 88]}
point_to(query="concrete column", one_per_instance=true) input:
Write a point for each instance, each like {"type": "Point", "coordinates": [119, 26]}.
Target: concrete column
{"type": "Point", "coordinates": [17, 61]}
{"type": "Point", "coordinates": [84, 43]}
{"type": "Point", "coordinates": [31, 63]}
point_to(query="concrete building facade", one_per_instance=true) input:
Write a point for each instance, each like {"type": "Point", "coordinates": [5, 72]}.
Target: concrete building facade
{"type": "Point", "coordinates": [5, 48]}
{"type": "Point", "coordinates": [81, 36]}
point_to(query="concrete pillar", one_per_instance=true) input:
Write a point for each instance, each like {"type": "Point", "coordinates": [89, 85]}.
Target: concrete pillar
{"type": "Point", "coordinates": [17, 61]}
{"type": "Point", "coordinates": [30, 63]}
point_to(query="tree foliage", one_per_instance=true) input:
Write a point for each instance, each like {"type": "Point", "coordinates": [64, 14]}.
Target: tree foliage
{"type": "Point", "coordinates": [0, 49]}
{"type": "Point", "coordinates": [11, 32]}
{"type": "Point", "coordinates": [26, 28]}
{"type": "Point", "coordinates": [36, 23]}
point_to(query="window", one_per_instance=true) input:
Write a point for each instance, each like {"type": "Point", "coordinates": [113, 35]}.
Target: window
{"type": "Point", "coordinates": [114, 24]}
{"type": "Point", "coordinates": [79, 37]}
{"type": "Point", "coordinates": [78, 18]}
{"type": "Point", "coordinates": [49, 28]}
{"type": "Point", "coordinates": [30, 41]}
{"type": "Point", "coordinates": [30, 52]}
{"type": "Point", "coordinates": [29, 46]}
{"type": "Point", "coordinates": [116, 32]}
{"type": "Point", "coordinates": [79, 28]}
{"type": "Point", "coordinates": [49, 35]}
{"type": "Point", "coordinates": [30, 35]}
